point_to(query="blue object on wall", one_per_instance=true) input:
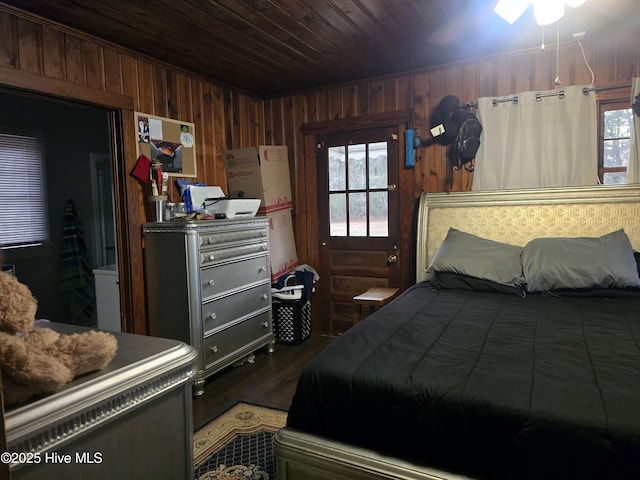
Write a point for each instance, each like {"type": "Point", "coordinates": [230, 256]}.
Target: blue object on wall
{"type": "Point", "coordinates": [409, 158]}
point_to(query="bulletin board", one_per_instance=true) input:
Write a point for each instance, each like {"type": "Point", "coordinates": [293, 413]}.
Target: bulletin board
{"type": "Point", "coordinates": [169, 142]}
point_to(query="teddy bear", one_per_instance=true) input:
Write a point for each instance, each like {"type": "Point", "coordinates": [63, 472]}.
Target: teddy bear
{"type": "Point", "coordinates": [36, 360]}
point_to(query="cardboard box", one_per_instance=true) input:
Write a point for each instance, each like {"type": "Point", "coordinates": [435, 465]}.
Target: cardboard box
{"type": "Point", "coordinates": [282, 245]}
{"type": "Point", "coordinates": [260, 172]}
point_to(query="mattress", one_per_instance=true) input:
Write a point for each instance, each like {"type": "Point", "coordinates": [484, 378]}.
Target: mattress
{"type": "Point", "coordinates": [485, 384]}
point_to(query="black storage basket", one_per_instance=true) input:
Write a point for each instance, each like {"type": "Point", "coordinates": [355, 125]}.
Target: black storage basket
{"type": "Point", "coordinates": [291, 321]}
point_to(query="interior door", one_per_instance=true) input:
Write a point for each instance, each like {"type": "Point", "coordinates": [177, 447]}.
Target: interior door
{"type": "Point", "coordinates": [103, 221]}
{"type": "Point", "coordinates": [359, 218]}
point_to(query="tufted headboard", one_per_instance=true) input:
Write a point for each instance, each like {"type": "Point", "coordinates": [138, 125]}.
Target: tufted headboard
{"type": "Point", "coordinates": [519, 216]}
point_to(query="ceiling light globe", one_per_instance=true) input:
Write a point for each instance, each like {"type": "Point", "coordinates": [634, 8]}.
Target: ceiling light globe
{"type": "Point", "coordinates": [511, 10]}
{"type": "Point", "coordinates": [547, 11]}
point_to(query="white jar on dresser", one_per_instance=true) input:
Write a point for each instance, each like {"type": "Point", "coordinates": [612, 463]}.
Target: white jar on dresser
{"type": "Point", "coordinates": [208, 284]}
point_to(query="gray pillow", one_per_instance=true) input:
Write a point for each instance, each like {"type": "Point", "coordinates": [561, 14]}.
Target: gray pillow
{"type": "Point", "coordinates": [467, 254]}
{"type": "Point", "coordinates": [583, 262]}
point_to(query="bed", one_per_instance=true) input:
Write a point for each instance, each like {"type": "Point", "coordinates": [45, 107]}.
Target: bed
{"type": "Point", "coordinates": [480, 372]}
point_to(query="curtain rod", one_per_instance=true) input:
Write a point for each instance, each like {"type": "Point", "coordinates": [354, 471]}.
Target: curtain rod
{"type": "Point", "coordinates": [513, 99]}
{"type": "Point", "coordinates": [586, 90]}
{"type": "Point", "coordinates": [539, 96]}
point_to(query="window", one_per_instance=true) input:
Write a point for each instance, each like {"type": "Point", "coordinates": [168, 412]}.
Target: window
{"type": "Point", "coordinates": [616, 123]}
{"type": "Point", "coordinates": [23, 216]}
{"type": "Point", "coordinates": [358, 190]}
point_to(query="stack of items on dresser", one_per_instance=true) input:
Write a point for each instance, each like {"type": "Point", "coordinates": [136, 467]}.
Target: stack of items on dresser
{"type": "Point", "coordinates": [263, 172]}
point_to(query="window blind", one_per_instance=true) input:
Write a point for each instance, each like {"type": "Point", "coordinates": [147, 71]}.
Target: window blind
{"type": "Point", "coordinates": [23, 214]}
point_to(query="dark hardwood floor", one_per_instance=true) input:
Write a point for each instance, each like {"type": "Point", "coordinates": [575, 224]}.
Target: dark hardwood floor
{"type": "Point", "coordinates": [270, 381]}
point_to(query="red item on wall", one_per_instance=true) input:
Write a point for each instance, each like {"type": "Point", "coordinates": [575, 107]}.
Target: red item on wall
{"type": "Point", "coordinates": [142, 169]}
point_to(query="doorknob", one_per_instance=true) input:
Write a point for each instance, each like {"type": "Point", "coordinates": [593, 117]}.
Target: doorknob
{"type": "Point", "coordinates": [392, 258]}
{"type": "Point", "coordinates": [391, 187]}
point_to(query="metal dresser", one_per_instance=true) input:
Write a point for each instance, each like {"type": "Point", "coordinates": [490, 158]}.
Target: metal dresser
{"type": "Point", "coordinates": [208, 284]}
{"type": "Point", "coordinates": [132, 419]}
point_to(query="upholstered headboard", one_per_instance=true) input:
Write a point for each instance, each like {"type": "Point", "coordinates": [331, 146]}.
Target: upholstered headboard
{"type": "Point", "coordinates": [519, 216]}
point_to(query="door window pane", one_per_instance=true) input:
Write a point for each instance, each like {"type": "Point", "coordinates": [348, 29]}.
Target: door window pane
{"type": "Point", "coordinates": [378, 165]}
{"type": "Point", "coordinates": [378, 214]}
{"type": "Point", "coordinates": [337, 215]}
{"type": "Point", "coordinates": [357, 167]}
{"type": "Point", "coordinates": [337, 169]}
{"type": "Point", "coordinates": [357, 214]}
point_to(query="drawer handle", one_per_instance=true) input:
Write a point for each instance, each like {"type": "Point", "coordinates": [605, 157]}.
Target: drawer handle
{"type": "Point", "coordinates": [213, 315]}
{"type": "Point", "coordinates": [264, 234]}
{"type": "Point", "coordinates": [211, 282]}
{"type": "Point", "coordinates": [212, 258]}
{"type": "Point", "coordinates": [265, 324]}
{"type": "Point", "coordinates": [264, 296]}
{"type": "Point", "coordinates": [262, 269]}
{"type": "Point", "coordinates": [214, 349]}
{"type": "Point", "coordinates": [209, 240]}
{"type": "Point", "coordinates": [264, 247]}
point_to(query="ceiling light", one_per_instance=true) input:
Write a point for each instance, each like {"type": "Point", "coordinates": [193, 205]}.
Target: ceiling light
{"type": "Point", "coordinates": [511, 10]}
{"type": "Point", "coordinates": [547, 11]}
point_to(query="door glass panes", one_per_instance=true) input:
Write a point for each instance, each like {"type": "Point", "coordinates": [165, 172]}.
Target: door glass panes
{"type": "Point", "coordinates": [337, 214]}
{"type": "Point", "coordinates": [357, 167]}
{"type": "Point", "coordinates": [358, 214]}
{"type": "Point", "coordinates": [378, 165]}
{"type": "Point", "coordinates": [379, 214]}
{"type": "Point", "coordinates": [337, 169]}
{"type": "Point", "coordinates": [358, 195]}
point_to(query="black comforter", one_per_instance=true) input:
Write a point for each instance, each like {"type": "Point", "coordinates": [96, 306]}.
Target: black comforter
{"type": "Point", "coordinates": [486, 384]}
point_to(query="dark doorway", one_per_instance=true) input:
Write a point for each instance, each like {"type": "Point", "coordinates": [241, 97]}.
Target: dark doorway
{"type": "Point", "coordinates": [78, 166]}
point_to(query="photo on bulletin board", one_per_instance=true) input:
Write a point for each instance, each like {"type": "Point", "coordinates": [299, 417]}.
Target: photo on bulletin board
{"type": "Point", "coordinates": [168, 142]}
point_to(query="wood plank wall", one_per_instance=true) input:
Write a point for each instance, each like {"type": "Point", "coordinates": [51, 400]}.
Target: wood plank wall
{"type": "Point", "coordinates": [37, 55]}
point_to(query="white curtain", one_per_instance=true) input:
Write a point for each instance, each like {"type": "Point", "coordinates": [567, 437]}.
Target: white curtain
{"type": "Point", "coordinates": [545, 139]}
{"type": "Point", "coordinates": [633, 173]}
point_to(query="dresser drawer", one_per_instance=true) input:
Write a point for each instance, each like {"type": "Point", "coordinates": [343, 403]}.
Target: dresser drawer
{"type": "Point", "coordinates": [233, 236]}
{"type": "Point", "coordinates": [222, 344]}
{"type": "Point", "coordinates": [212, 257]}
{"type": "Point", "coordinates": [231, 276]}
{"type": "Point", "coordinates": [226, 309]}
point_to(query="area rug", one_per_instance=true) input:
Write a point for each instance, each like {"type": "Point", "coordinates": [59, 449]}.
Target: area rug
{"type": "Point", "coordinates": [238, 444]}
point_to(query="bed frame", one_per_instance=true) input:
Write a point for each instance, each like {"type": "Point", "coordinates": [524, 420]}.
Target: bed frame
{"type": "Point", "coordinates": [507, 216]}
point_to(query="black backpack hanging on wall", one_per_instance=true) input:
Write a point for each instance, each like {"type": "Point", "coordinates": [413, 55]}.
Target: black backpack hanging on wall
{"type": "Point", "coordinates": [459, 128]}
{"type": "Point", "coordinates": [467, 140]}
{"type": "Point", "coordinates": [443, 127]}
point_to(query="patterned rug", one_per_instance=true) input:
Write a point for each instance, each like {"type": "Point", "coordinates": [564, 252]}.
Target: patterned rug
{"type": "Point", "coordinates": [238, 444]}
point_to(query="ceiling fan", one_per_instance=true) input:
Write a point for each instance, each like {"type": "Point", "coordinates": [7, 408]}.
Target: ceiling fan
{"type": "Point", "coordinates": [545, 11]}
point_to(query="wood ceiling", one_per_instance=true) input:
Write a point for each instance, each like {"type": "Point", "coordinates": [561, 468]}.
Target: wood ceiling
{"type": "Point", "coordinates": [275, 47]}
